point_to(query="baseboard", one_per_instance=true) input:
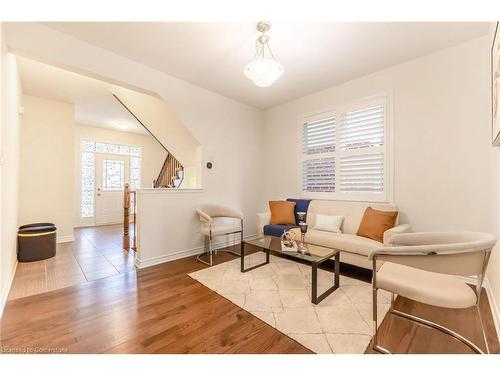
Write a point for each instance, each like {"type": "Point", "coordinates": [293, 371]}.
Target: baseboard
{"type": "Point", "coordinates": [495, 311]}
{"type": "Point", "coordinates": [6, 291]}
{"type": "Point", "coordinates": [143, 263]}
{"type": "Point", "coordinates": [62, 239]}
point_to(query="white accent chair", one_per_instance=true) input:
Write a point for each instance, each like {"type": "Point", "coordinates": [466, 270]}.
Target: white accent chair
{"type": "Point", "coordinates": [214, 222]}
{"type": "Point", "coordinates": [426, 267]}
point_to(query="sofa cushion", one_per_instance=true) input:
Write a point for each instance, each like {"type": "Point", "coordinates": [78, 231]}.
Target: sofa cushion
{"type": "Point", "coordinates": [341, 241]}
{"type": "Point", "coordinates": [352, 212]}
{"type": "Point", "coordinates": [276, 230]}
{"type": "Point", "coordinates": [301, 205]}
{"type": "Point", "coordinates": [375, 222]}
{"type": "Point", "coordinates": [282, 212]}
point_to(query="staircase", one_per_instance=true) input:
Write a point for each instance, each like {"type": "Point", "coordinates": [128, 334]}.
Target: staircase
{"type": "Point", "coordinates": [171, 174]}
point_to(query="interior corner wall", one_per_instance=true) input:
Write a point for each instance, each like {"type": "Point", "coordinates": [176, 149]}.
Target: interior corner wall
{"type": "Point", "coordinates": [9, 168]}
{"type": "Point", "coordinates": [229, 132]}
{"type": "Point", "coordinates": [47, 166]}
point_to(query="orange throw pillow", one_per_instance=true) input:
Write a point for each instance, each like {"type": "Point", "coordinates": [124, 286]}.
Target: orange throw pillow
{"type": "Point", "coordinates": [374, 223]}
{"type": "Point", "coordinates": [282, 212]}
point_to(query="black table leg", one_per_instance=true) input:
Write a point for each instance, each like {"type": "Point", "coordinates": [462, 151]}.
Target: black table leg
{"type": "Point", "coordinates": [256, 266]}
{"type": "Point", "coordinates": [314, 292]}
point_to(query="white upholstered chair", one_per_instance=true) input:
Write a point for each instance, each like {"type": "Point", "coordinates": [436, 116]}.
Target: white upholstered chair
{"type": "Point", "coordinates": [216, 221]}
{"type": "Point", "coordinates": [426, 267]}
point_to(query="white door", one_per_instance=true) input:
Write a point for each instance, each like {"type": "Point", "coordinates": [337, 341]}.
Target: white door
{"type": "Point", "coordinates": [111, 174]}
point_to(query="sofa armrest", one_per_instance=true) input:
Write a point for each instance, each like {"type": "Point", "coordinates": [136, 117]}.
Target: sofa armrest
{"type": "Point", "coordinates": [262, 220]}
{"type": "Point", "coordinates": [402, 228]}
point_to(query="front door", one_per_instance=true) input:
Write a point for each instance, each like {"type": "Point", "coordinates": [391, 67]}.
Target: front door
{"type": "Point", "coordinates": [111, 174]}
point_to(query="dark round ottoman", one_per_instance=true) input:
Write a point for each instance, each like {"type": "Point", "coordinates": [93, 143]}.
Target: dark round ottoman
{"type": "Point", "coordinates": [36, 242]}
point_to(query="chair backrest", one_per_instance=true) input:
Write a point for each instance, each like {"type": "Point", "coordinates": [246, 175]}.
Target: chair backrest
{"type": "Point", "coordinates": [352, 212]}
{"type": "Point", "coordinates": [207, 211]}
{"type": "Point", "coordinates": [452, 253]}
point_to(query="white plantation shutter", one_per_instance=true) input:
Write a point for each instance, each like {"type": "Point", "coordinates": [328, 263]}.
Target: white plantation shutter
{"type": "Point", "coordinates": [362, 173]}
{"type": "Point", "coordinates": [318, 175]}
{"type": "Point", "coordinates": [318, 167]}
{"type": "Point", "coordinates": [362, 128]}
{"type": "Point", "coordinates": [344, 152]}
{"type": "Point", "coordinates": [319, 136]}
{"type": "Point", "coordinates": [362, 144]}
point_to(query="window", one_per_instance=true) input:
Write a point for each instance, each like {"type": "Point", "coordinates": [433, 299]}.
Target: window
{"type": "Point", "coordinates": [344, 153]}
{"type": "Point", "coordinates": [113, 175]}
{"type": "Point", "coordinates": [88, 150]}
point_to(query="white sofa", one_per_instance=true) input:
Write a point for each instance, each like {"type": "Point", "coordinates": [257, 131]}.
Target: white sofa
{"type": "Point", "coordinates": [354, 249]}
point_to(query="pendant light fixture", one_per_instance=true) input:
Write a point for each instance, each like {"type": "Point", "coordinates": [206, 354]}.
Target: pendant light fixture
{"type": "Point", "coordinates": [263, 70]}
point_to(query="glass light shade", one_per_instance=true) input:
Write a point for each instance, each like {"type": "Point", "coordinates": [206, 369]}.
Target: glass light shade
{"type": "Point", "coordinates": [263, 72]}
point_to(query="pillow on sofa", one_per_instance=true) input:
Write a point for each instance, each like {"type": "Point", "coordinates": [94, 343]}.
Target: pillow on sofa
{"type": "Point", "coordinates": [329, 223]}
{"type": "Point", "coordinates": [374, 223]}
{"type": "Point", "coordinates": [282, 212]}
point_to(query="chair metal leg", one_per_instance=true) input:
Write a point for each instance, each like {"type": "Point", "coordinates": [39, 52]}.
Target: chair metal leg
{"type": "Point", "coordinates": [375, 345]}
{"type": "Point", "coordinates": [210, 248]}
{"type": "Point", "coordinates": [482, 329]}
{"type": "Point", "coordinates": [209, 253]}
{"type": "Point", "coordinates": [438, 327]}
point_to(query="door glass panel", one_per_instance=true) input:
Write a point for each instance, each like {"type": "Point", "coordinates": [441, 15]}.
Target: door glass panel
{"type": "Point", "coordinates": [87, 198]}
{"type": "Point", "coordinates": [113, 177]}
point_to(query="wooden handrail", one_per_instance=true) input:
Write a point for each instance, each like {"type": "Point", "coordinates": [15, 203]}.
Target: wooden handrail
{"type": "Point", "coordinates": [126, 218]}
{"type": "Point", "coordinates": [170, 167]}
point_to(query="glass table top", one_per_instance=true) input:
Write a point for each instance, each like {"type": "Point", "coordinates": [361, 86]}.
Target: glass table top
{"type": "Point", "coordinates": [314, 253]}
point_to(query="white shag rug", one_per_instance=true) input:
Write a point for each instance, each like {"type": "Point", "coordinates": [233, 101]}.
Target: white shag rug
{"type": "Point", "coordinates": [279, 293]}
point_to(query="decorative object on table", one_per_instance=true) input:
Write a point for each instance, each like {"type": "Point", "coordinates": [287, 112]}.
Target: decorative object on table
{"type": "Point", "coordinates": [303, 231]}
{"type": "Point", "coordinates": [36, 242]}
{"type": "Point", "coordinates": [210, 216]}
{"type": "Point", "coordinates": [301, 217]}
{"type": "Point", "coordinates": [495, 88]}
{"type": "Point", "coordinates": [288, 243]}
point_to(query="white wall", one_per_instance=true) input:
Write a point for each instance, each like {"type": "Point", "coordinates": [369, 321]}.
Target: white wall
{"type": "Point", "coordinates": [442, 155]}
{"type": "Point", "coordinates": [47, 183]}
{"type": "Point", "coordinates": [229, 132]}
{"type": "Point", "coordinates": [9, 167]}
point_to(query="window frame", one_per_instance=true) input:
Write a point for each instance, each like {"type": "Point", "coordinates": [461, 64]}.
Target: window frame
{"type": "Point", "coordinates": [385, 99]}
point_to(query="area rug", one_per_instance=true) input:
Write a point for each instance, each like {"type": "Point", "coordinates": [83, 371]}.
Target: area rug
{"type": "Point", "coordinates": [279, 293]}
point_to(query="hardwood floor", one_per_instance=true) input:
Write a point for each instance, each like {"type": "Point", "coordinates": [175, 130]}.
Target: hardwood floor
{"type": "Point", "coordinates": [155, 310]}
{"type": "Point", "coordinates": [162, 310]}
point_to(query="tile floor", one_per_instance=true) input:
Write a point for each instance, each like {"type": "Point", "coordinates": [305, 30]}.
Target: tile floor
{"type": "Point", "coordinates": [96, 253]}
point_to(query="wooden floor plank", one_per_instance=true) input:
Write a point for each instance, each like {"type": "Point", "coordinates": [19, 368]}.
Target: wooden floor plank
{"type": "Point", "coordinates": [161, 309]}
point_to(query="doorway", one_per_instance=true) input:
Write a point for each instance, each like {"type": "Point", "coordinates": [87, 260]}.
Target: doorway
{"type": "Point", "coordinates": [105, 169]}
{"type": "Point", "coordinates": [112, 172]}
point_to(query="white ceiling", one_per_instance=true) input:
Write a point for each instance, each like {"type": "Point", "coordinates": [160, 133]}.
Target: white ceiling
{"type": "Point", "coordinates": [314, 55]}
{"type": "Point", "coordinates": [93, 99]}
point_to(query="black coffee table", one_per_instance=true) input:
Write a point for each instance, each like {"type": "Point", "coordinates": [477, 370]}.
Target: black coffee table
{"type": "Point", "coordinates": [314, 256]}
